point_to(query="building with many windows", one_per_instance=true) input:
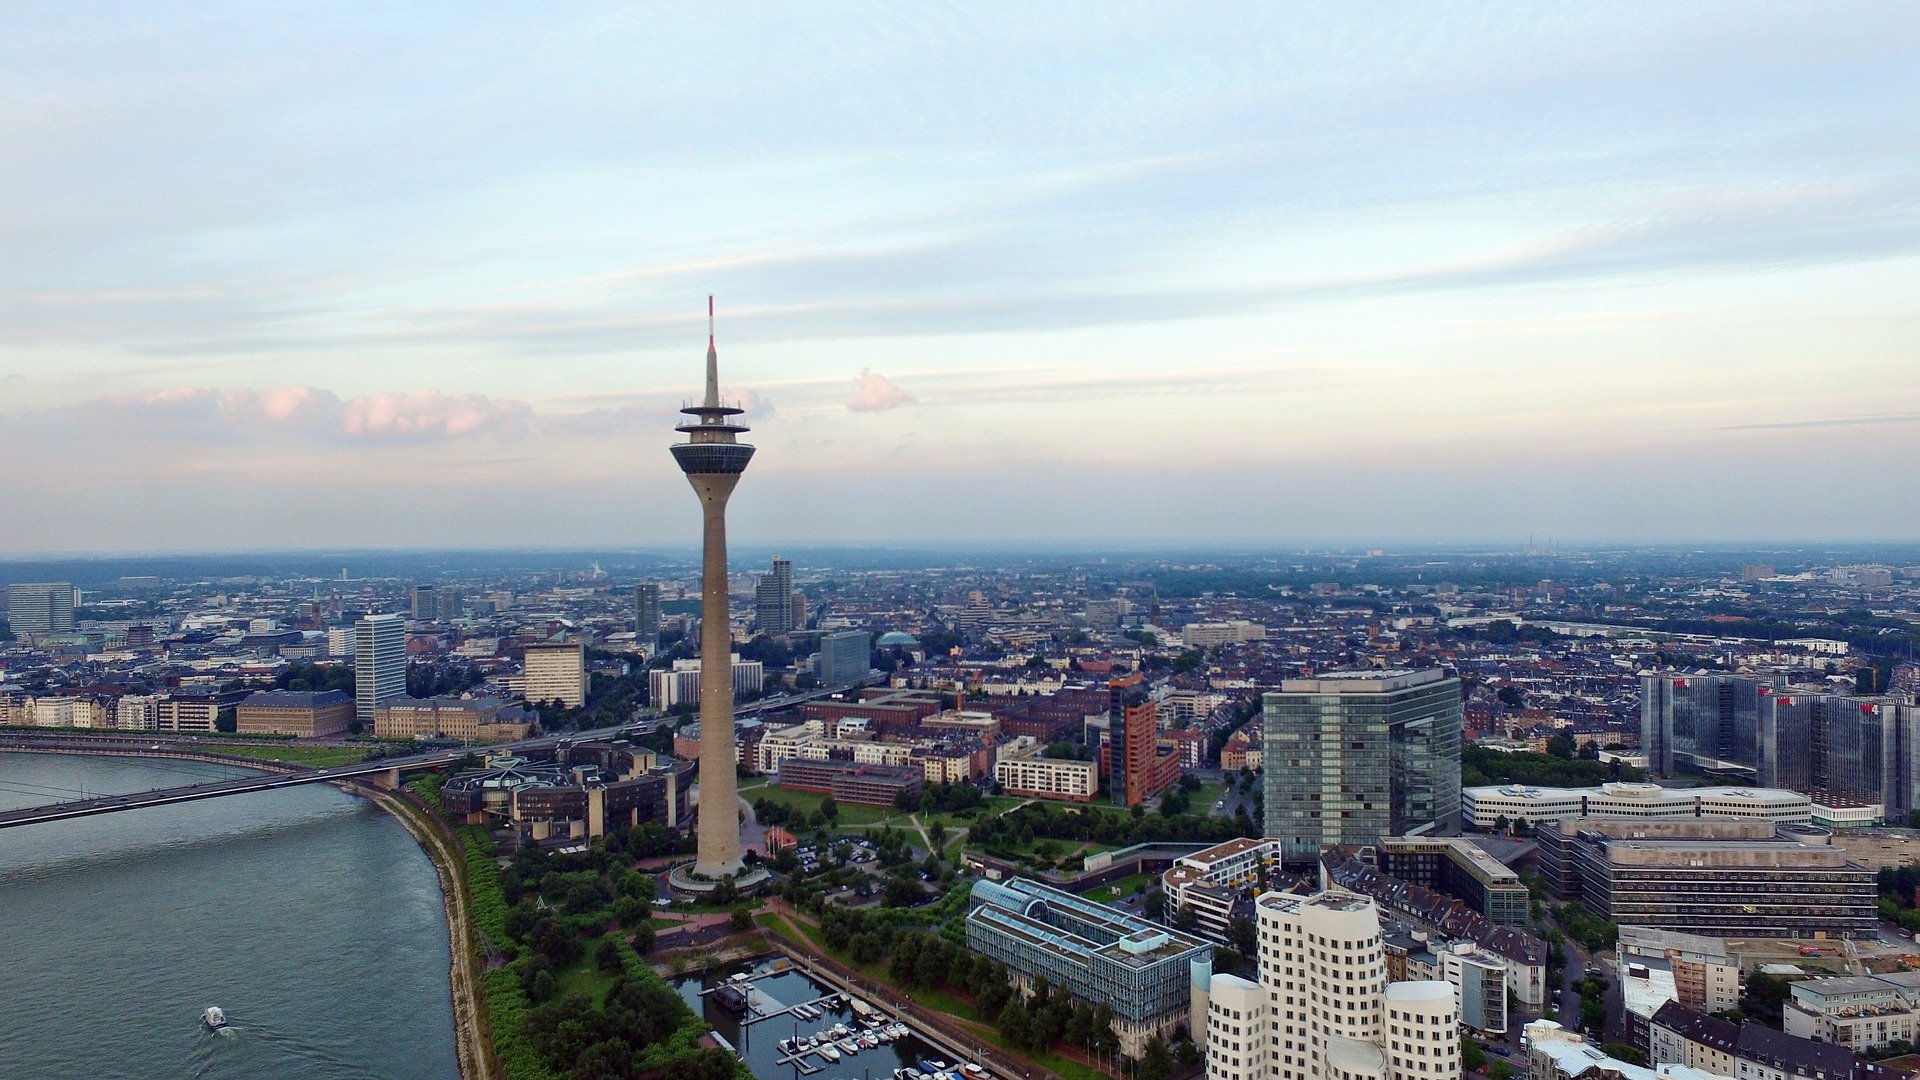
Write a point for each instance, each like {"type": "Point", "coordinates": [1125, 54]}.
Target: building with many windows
{"type": "Point", "coordinates": [1026, 774]}
{"type": "Point", "coordinates": [1842, 750]}
{"type": "Point", "coordinates": [379, 664]}
{"type": "Point", "coordinates": [1139, 768]}
{"type": "Point", "coordinates": [302, 714]}
{"type": "Point", "coordinates": [1459, 868]}
{"type": "Point", "coordinates": [557, 671]}
{"type": "Point", "coordinates": [646, 614]}
{"type": "Point", "coordinates": [40, 607]}
{"type": "Point", "coordinates": [1353, 756]}
{"type": "Point", "coordinates": [469, 719]}
{"type": "Point", "coordinates": [1859, 1012]}
{"type": "Point", "coordinates": [1514, 804]}
{"type": "Point", "coordinates": [773, 607]}
{"type": "Point", "coordinates": [1100, 955]}
{"type": "Point", "coordinates": [1719, 877]}
{"type": "Point", "coordinates": [851, 781]}
{"type": "Point", "coordinates": [845, 657]}
{"type": "Point", "coordinates": [1751, 1050]}
{"type": "Point", "coordinates": [681, 685]}
{"type": "Point", "coordinates": [1323, 1008]}
{"type": "Point", "coordinates": [1217, 885]}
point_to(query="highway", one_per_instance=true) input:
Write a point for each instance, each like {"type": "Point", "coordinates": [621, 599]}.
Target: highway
{"type": "Point", "coordinates": [148, 743]}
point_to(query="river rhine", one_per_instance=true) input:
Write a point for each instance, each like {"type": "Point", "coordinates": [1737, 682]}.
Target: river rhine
{"type": "Point", "coordinates": [309, 915]}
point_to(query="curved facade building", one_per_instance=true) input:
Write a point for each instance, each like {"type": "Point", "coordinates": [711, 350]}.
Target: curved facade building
{"type": "Point", "coordinates": [1323, 1008]}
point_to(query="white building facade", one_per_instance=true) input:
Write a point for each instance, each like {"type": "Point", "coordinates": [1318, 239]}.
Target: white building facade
{"type": "Point", "coordinates": [1323, 1008]}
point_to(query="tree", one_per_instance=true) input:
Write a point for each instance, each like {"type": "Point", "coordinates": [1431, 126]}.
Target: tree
{"type": "Point", "coordinates": [829, 809]}
{"type": "Point", "coordinates": [1560, 745]}
{"type": "Point", "coordinates": [1156, 1063]}
{"type": "Point", "coordinates": [607, 956]}
{"type": "Point", "coordinates": [1499, 1069]}
{"type": "Point", "coordinates": [740, 920]}
{"type": "Point", "coordinates": [1241, 935]}
{"type": "Point", "coordinates": [1472, 1058]}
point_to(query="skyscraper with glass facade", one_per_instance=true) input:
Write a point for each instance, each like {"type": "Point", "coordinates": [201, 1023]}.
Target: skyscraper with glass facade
{"type": "Point", "coordinates": [1352, 756]}
{"type": "Point", "coordinates": [379, 664]}
{"type": "Point", "coordinates": [773, 599]}
{"type": "Point", "coordinates": [845, 657]}
{"type": "Point", "coordinates": [646, 612]}
{"type": "Point", "coordinates": [1838, 749]}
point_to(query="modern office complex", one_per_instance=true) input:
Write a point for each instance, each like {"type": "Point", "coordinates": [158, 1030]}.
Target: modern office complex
{"type": "Point", "coordinates": [593, 788]}
{"type": "Point", "coordinates": [646, 613]}
{"type": "Point", "coordinates": [684, 682]}
{"type": "Point", "coordinates": [36, 608]}
{"type": "Point", "coordinates": [379, 664]}
{"type": "Point", "coordinates": [773, 599]}
{"type": "Point", "coordinates": [1716, 877]}
{"type": "Point", "coordinates": [557, 671]}
{"type": "Point", "coordinates": [1323, 1008]}
{"type": "Point", "coordinates": [1488, 808]}
{"type": "Point", "coordinates": [301, 714]}
{"type": "Point", "coordinates": [713, 460]}
{"type": "Point", "coordinates": [1842, 750]}
{"type": "Point", "coordinates": [1459, 868]}
{"type": "Point", "coordinates": [851, 781]}
{"type": "Point", "coordinates": [845, 657]}
{"type": "Point", "coordinates": [1356, 755]}
{"type": "Point", "coordinates": [1102, 956]}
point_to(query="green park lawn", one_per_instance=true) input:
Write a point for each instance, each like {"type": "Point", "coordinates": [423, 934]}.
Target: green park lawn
{"type": "Point", "coordinates": [314, 756]}
{"type": "Point", "coordinates": [806, 802]}
{"type": "Point", "coordinates": [587, 978]}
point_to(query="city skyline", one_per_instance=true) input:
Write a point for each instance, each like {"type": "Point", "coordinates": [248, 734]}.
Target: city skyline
{"type": "Point", "coordinates": [1624, 274]}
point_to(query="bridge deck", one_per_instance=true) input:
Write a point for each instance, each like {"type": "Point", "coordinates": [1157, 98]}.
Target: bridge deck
{"type": "Point", "coordinates": [61, 739]}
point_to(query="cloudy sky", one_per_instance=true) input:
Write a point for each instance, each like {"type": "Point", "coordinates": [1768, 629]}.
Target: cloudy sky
{"type": "Point", "coordinates": [415, 275]}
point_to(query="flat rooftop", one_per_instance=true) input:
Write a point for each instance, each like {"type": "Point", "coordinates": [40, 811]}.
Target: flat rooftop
{"type": "Point", "coordinates": [1363, 682]}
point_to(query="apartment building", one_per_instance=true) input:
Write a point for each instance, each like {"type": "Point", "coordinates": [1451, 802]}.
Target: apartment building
{"type": "Point", "coordinates": [1217, 885]}
{"type": "Point", "coordinates": [1752, 1051]}
{"type": "Point", "coordinates": [1027, 775]}
{"type": "Point", "coordinates": [1859, 1012]}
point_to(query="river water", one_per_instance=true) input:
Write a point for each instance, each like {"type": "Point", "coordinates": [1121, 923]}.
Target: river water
{"type": "Point", "coordinates": [309, 915]}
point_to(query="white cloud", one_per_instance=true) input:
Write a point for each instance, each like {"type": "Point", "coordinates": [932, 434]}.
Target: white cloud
{"type": "Point", "coordinates": [874, 392]}
{"type": "Point", "coordinates": [308, 412]}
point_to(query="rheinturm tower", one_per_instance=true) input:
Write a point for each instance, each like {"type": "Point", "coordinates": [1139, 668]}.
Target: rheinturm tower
{"type": "Point", "coordinates": [713, 460]}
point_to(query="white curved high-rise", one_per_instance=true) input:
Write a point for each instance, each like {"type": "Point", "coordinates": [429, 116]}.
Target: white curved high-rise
{"type": "Point", "coordinates": [1323, 1008]}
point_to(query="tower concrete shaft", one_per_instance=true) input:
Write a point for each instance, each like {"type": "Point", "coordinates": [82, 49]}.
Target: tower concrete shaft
{"type": "Point", "coordinates": [713, 460]}
{"type": "Point", "coordinates": [719, 824]}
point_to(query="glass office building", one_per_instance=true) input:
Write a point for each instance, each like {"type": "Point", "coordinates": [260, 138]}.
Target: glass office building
{"type": "Point", "coordinates": [1100, 955]}
{"type": "Point", "coordinates": [1838, 749]}
{"type": "Point", "coordinates": [1353, 756]}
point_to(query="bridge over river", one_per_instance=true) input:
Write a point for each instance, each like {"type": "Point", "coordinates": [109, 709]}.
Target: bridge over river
{"type": "Point", "coordinates": [385, 772]}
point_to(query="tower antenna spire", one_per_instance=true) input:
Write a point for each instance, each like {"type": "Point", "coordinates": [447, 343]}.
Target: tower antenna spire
{"type": "Point", "coordinates": [713, 360]}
